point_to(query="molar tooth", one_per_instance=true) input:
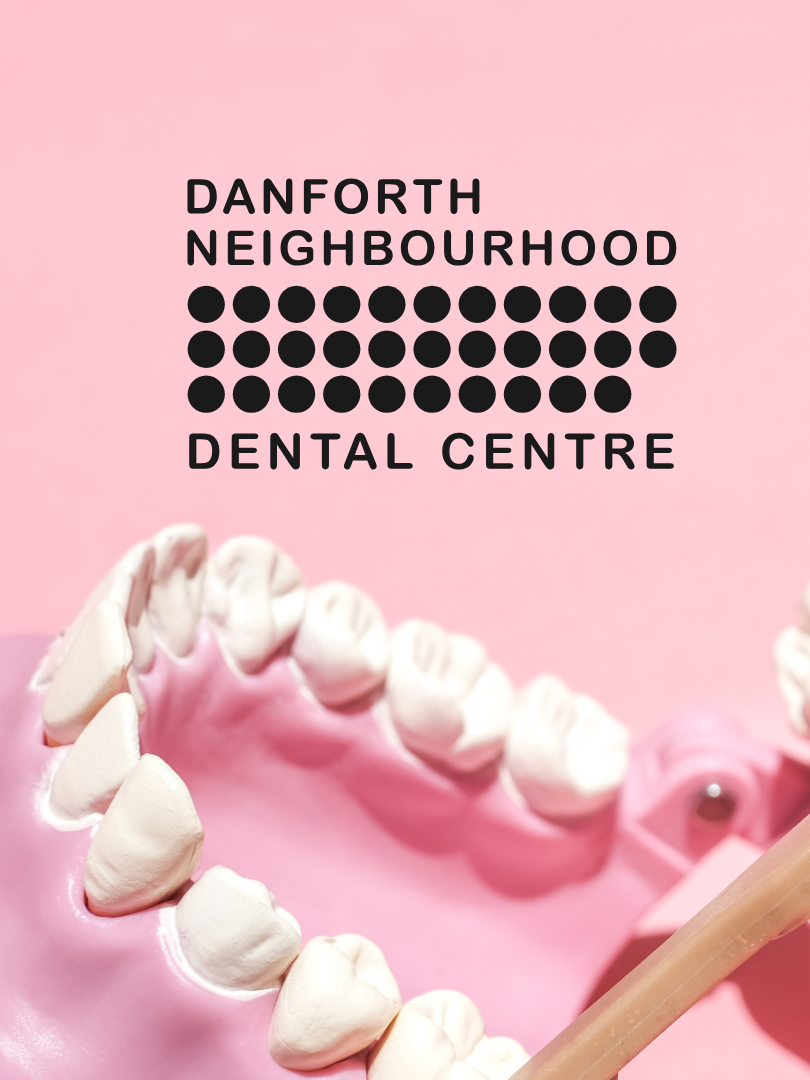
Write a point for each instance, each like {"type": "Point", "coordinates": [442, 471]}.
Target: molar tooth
{"type": "Point", "coordinates": [93, 670]}
{"type": "Point", "coordinates": [338, 997]}
{"type": "Point", "coordinates": [148, 842]}
{"type": "Point", "coordinates": [448, 701]}
{"type": "Point", "coordinates": [233, 933]}
{"type": "Point", "coordinates": [566, 754]}
{"type": "Point", "coordinates": [98, 762]}
{"type": "Point", "coordinates": [175, 600]}
{"type": "Point", "coordinates": [498, 1058]}
{"type": "Point", "coordinates": [255, 596]}
{"type": "Point", "coordinates": [342, 645]}
{"type": "Point", "coordinates": [432, 1038]}
{"type": "Point", "coordinates": [792, 656]}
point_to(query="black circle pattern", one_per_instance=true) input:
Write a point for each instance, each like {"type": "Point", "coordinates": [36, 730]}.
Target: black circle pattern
{"type": "Point", "coordinates": [612, 349]}
{"type": "Point", "coordinates": [521, 394]}
{"type": "Point", "coordinates": [296, 304]}
{"type": "Point", "coordinates": [341, 394]}
{"type": "Point", "coordinates": [386, 349]}
{"type": "Point", "coordinates": [296, 349]}
{"type": "Point", "coordinates": [431, 349]}
{"type": "Point", "coordinates": [251, 349]}
{"type": "Point", "coordinates": [251, 304]}
{"type": "Point", "coordinates": [206, 394]}
{"type": "Point", "coordinates": [476, 394]}
{"type": "Point", "coordinates": [476, 349]}
{"type": "Point", "coordinates": [386, 394]}
{"type": "Point", "coordinates": [476, 304]}
{"type": "Point", "coordinates": [431, 304]}
{"type": "Point", "coordinates": [431, 394]}
{"type": "Point", "coordinates": [206, 349]}
{"type": "Point", "coordinates": [206, 304]}
{"type": "Point", "coordinates": [341, 304]}
{"type": "Point", "coordinates": [251, 394]}
{"type": "Point", "coordinates": [657, 349]}
{"type": "Point", "coordinates": [521, 349]}
{"type": "Point", "coordinates": [657, 304]}
{"type": "Point", "coordinates": [386, 304]}
{"type": "Point", "coordinates": [522, 304]}
{"type": "Point", "coordinates": [612, 394]}
{"type": "Point", "coordinates": [567, 394]}
{"type": "Point", "coordinates": [341, 349]}
{"type": "Point", "coordinates": [567, 349]}
{"type": "Point", "coordinates": [567, 304]}
{"type": "Point", "coordinates": [296, 394]}
{"type": "Point", "coordinates": [612, 304]}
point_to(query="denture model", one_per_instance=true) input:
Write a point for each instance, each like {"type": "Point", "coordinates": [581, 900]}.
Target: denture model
{"type": "Point", "coordinates": [249, 829]}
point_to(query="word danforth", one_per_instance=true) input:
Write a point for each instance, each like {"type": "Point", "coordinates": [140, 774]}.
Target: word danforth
{"type": "Point", "coordinates": [458, 451]}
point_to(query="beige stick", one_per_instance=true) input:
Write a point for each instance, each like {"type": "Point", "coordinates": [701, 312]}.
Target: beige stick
{"type": "Point", "coordinates": [769, 899]}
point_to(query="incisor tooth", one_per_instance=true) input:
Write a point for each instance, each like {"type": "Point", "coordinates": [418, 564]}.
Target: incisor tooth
{"type": "Point", "coordinates": [342, 644]}
{"type": "Point", "coordinates": [432, 1038]}
{"type": "Point", "coordinates": [98, 762]}
{"type": "Point", "coordinates": [175, 600]}
{"type": "Point", "coordinates": [792, 656]}
{"type": "Point", "coordinates": [338, 997]}
{"type": "Point", "coordinates": [233, 933]}
{"type": "Point", "coordinates": [448, 701]}
{"type": "Point", "coordinates": [94, 670]}
{"type": "Point", "coordinates": [148, 842]}
{"type": "Point", "coordinates": [566, 754]}
{"type": "Point", "coordinates": [498, 1058]}
{"type": "Point", "coordinates": [254, 595]}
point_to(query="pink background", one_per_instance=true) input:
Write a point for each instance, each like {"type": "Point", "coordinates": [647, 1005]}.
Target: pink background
{"type": "Point", "coordinates": [651, 590]}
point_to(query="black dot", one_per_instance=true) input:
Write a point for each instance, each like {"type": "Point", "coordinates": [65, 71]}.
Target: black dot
{"type": "Point", "coordinates": [386, 349]}
{"type": "Point", "coordinates": [251, 304]}
{"type": "Point", "coordinates": [476, 349]}
{"type": "Point", "coordinates": [296, 349]}
{"type": "Point", "coordinates": [296, 304]}
{"type": "Point", "coordinates": [612, 394]}
{"type": "Point", "coordinates": [566, 394]}
{"type": "Point", "coordinates": [341, 349]}
{"type": "Point", "coordinates": [521, 349]}
{"type": "Point", "coordinates": [612, 304]}
{"type": "Point", "coordinates": [521, 394]}
{"type": "Point", "coordinates": [612, 349]}
{"type": "Point", "coordinates": [386, 304]}
{"type": "Point", "coordinates": [341, 394]}
{"type": "Point", "coordinates": [567, 349]}
{"type": "Point", "coordinates": [431, 394]}
{"type": "Point", "coordinates": [566, 304]}
{"type": "Point", "coordinates": [206, 394]}
{"type": "Point", "coordinates": [657, 348]}
{"type": "Point", "coordinates": [431, 304]}
{"type": "Point", "coordinates": [296, 394]}
{"type": "Point", "coordinates": [206, 349]}
{"type": "Point", "coordinates": [657, 304]}
{"type": "Point", "coordinates": [431, 349]}
{"type": "Point", "coordinates": [206, 304]}
{"type": "Point", "coordinates": [521, 304]}
{"type": "Point", "coordinates": [476, 394]}
{"type": "Point", "coordinates": [251, 349]}
{"type": "Point", "coordinates": [251, 394]}
{"type": "Point", "coordinates": [476, 304]}
{"type": "Point", "coordinates": [386, 394]}
{"type": "Point", "coordinates": [341, 304]}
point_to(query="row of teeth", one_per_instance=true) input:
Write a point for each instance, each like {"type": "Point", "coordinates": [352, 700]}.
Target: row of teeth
{"type": "Point", "coordinates": [436, 694]}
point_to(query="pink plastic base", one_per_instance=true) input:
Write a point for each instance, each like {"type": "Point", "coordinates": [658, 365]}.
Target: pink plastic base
{"type": "Point", "coordinates": [459, 886]}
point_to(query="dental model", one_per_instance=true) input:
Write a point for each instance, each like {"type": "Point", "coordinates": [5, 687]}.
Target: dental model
{"type": "Point", "coordinates": [135, 696]}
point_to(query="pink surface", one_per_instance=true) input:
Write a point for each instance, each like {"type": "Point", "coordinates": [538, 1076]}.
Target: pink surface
{"type": "Point", "coordinates": [651, 590]}
{"type": "Point", "coordinates": [460, 887]}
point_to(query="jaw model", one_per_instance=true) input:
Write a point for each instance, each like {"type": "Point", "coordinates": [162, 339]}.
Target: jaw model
{"type": "Point", "coordinates": [392, 788]}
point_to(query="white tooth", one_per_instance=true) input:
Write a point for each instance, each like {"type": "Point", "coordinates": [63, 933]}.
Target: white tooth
{"type": "Point", "coordinates": [498, 1058]}
{"type": "Point", "coordinates": [148, 842]}
{"type": "Point", "coordinates": [98, 762]}
{"type": "Point", "coordinates": [342, 645]}
{"type": "Point", "coordinates": [128, 583]}
{"type": "Point", "coordinates": [338, 997]}
{"type": "Point", "coordinates": [429, 1040]}
{"type": "Point", "coordinates": [175, 602]}
{"type": "Point", "coordinates": [792, 656]}
{"type": "Point", "coordinates": [94, 670]}
{"type": "Point", "coordinates": [233, 933]}
{"type": "Point", "coordinates": [254, 595]}
{"type": "Point", "coordinates": [565, 753]}
{"type": "Point", "coordinates": [448, 701]}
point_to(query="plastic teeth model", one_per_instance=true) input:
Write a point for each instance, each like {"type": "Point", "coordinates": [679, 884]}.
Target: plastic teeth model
{"type": "Point", "coordinates": [161, 708]}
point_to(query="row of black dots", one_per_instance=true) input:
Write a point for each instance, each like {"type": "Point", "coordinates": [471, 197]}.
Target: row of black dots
{"type": "Point", "coordinates": [432, 304]}
{"type": "Point", "coordinates": [432, 349]}
{"type": "Point", "coordinates": [431, 394]}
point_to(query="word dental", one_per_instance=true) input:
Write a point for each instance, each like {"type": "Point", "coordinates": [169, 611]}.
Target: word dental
{"type": "Point", "coordinates": [416, 247]}
{"type": "Point", "coordinates": [457, 451]}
